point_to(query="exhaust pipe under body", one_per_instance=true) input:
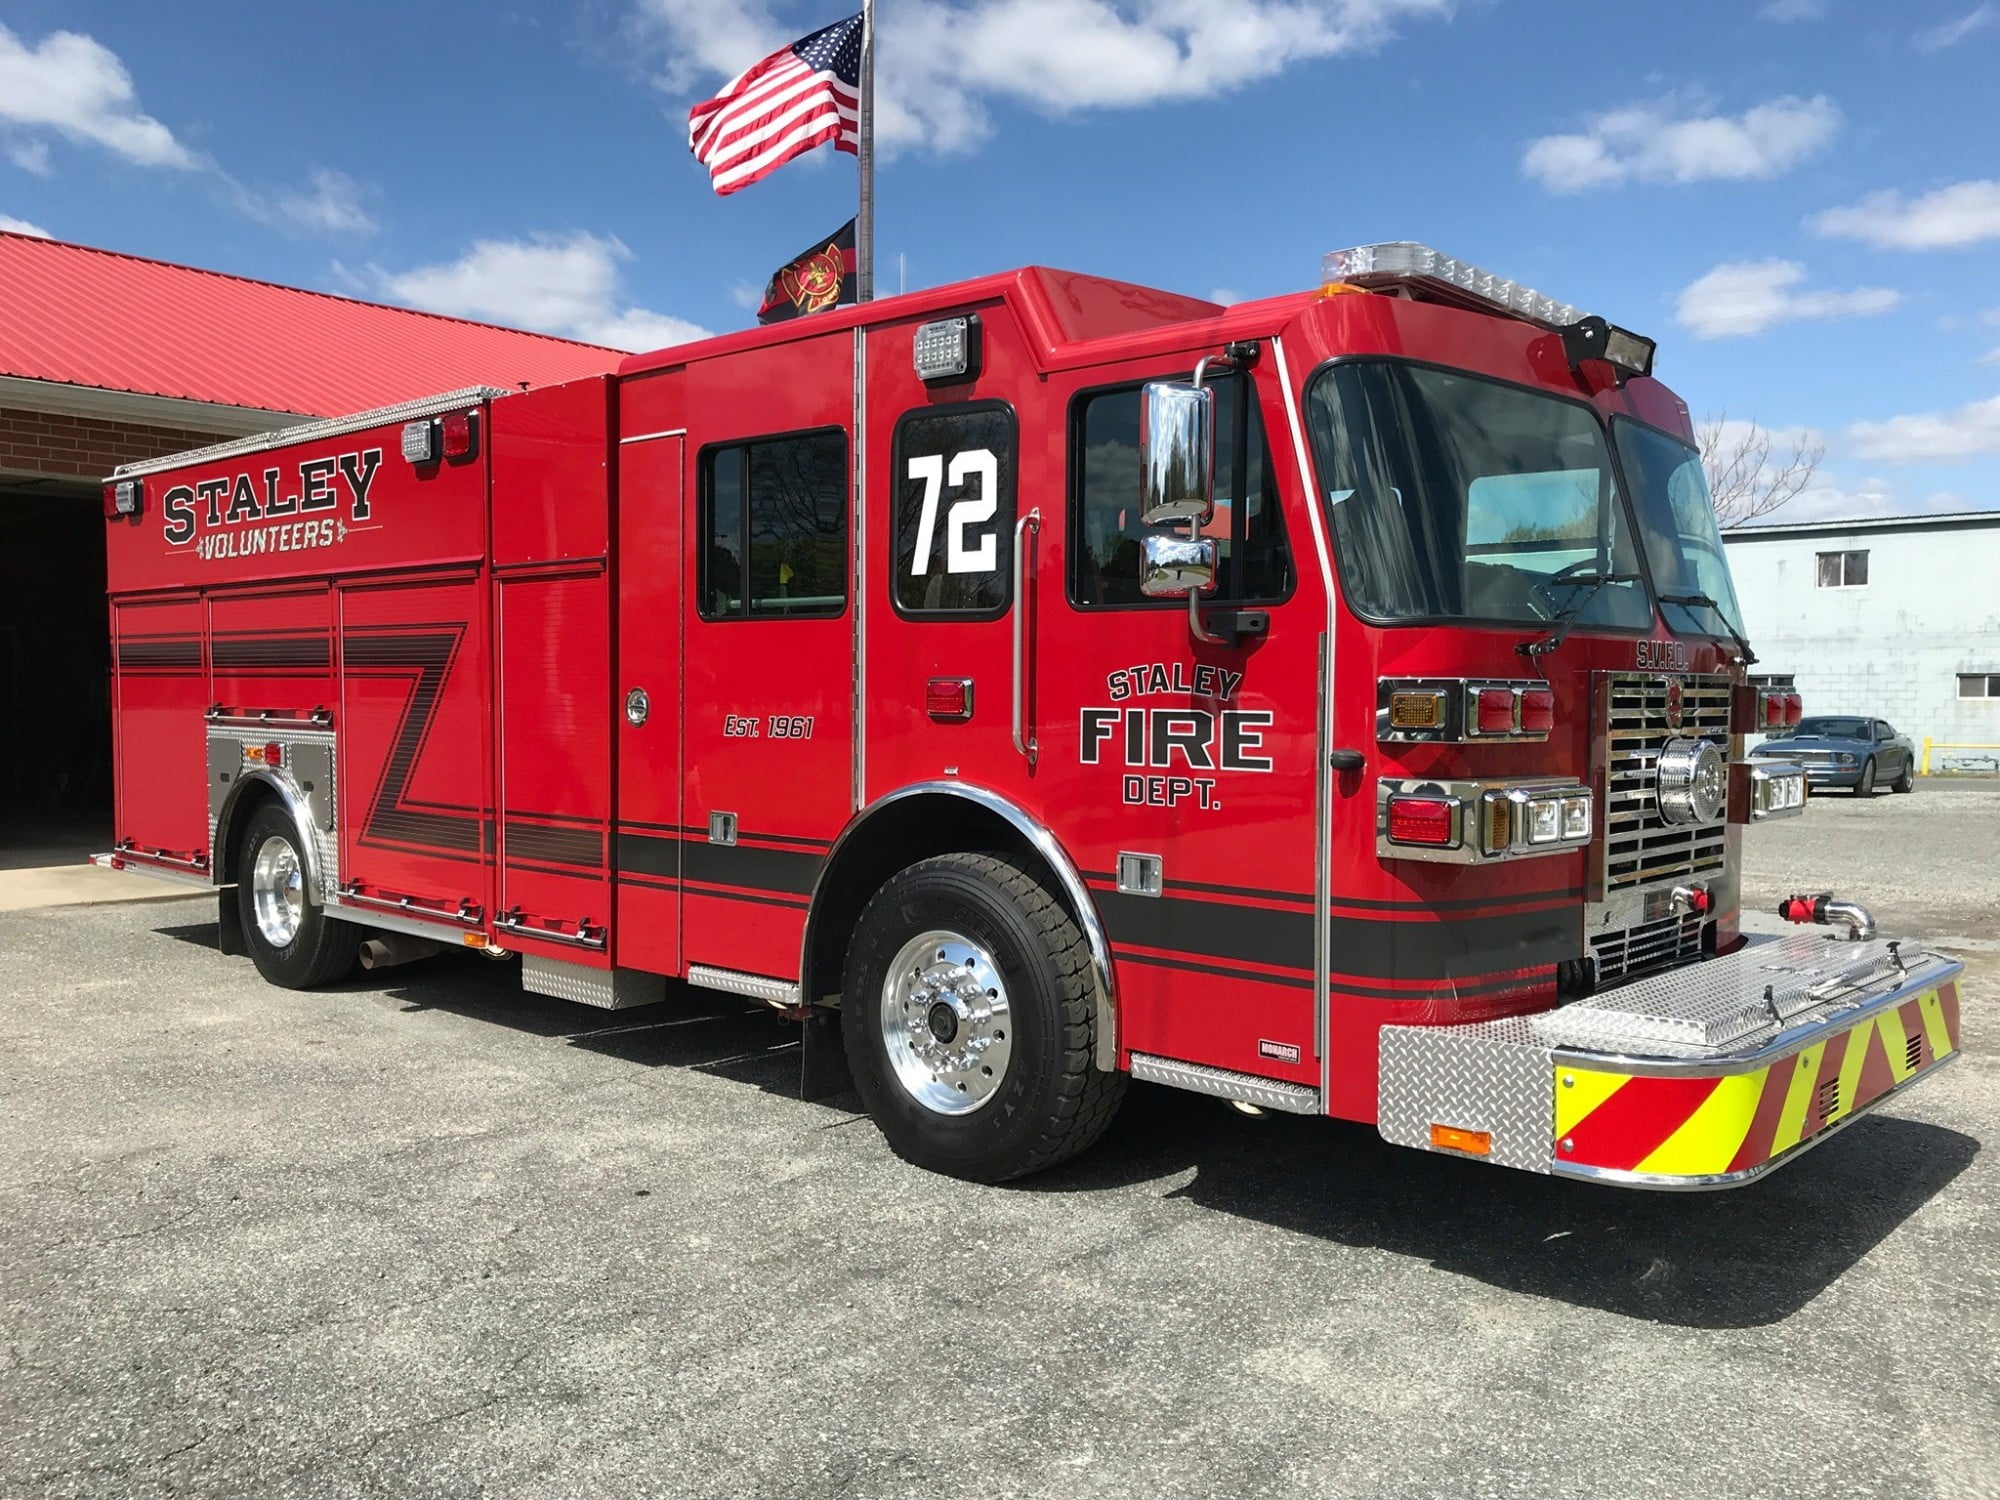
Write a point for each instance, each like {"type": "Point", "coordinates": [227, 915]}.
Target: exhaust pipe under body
{"type": "Point", "coordinates": [387, 950]}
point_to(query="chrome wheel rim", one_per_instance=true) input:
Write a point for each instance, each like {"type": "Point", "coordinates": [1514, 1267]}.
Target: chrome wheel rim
{"type": "Point", "coordinates": [946, 1022]}
{"type": "Point", "coordinates": [278, 891]}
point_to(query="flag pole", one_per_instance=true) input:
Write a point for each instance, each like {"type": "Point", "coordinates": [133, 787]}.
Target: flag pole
{"type": "Point", "coordinates": [864, 226]}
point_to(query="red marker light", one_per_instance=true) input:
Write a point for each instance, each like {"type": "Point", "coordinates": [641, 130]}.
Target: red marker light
{"type": "Point", "coordinates": [1774, 710]}
{"type": "Point", "coordinates": [1421, 820]}
{"type": "Point", "coordinates": [274, 754]}
{"type": "Point", "coordinates": [948, 699]}
{"type": "Point", "coordinates": [457, 433]}
{"type": "Point", "coordinates": [1538, 711]}
{"type": "Point", "coordinates": [1495, 711]}
{"type": "Point", "coordinates": [1795, 708]}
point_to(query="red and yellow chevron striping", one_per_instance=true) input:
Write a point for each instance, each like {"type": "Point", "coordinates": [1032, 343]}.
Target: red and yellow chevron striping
{"type": "Point", "coordinates": [1694, 1126]}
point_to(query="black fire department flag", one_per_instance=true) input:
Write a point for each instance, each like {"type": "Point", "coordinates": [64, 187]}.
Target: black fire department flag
{"type": "Point", "coordinates": [815, 280]}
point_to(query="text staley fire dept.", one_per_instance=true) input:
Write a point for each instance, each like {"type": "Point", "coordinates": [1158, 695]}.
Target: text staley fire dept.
{"type": "Point", "coordinates": [1162, 739]}
{"type": "Point", "coordinates": [221, 516]}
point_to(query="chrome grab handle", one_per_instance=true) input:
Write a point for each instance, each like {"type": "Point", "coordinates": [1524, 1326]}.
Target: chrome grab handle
{"type": "Point", "coordinates": [1024, 739]}
{"type": "Point", "coordinates": [584, 938]}
{"type": "Point", "coordinates": [466, 912]}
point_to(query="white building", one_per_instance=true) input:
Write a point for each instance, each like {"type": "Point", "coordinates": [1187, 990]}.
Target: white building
{"type": "Point", "coordinates": [1896, 618]}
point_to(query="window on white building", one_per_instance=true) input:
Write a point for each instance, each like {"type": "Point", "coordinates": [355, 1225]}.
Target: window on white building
{"type": "Point", "coordinates": [1843, 570]}
{"type": "Point", "coordinates": [1979, 684]}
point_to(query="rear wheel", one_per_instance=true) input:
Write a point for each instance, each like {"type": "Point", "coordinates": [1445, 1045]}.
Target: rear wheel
{"type": "Point", "coordinates": [967, 1017]}
{"type": "Point", "coordinates": [1865, 787]}
{"type": "Point", "coordinates": [1907, 782]}
{"type": "Point", "coordinates": [291, 939]}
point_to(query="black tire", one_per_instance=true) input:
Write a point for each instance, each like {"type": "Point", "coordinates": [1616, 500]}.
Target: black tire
{"type": "Point", "coordinates": [324, 948]}
{"type": "Point", "coordinates": [1865, 787]}
{"type": "Point", "coordinates": [1907, 782]}
{"type": "Point", "coordinates": [1051, 1101]}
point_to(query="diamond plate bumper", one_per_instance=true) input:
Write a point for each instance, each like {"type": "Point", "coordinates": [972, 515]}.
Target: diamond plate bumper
{"type": "Point", "coordinates": [1703, 1077]}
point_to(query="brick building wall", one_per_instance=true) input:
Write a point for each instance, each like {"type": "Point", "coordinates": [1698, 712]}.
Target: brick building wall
{"type": "Point", "coordinates": [86, 448]}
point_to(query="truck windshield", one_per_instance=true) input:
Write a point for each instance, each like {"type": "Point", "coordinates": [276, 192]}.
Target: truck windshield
{"type": "Point", "coordinates": [1682, 541]}
{"type": "Point", "coordinates": [1457, 497]}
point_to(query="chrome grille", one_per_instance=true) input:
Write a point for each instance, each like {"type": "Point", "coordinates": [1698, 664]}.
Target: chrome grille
{"type": "Point", "coordinates": [1650, 945]}
{"type": "Point", "coordinates": [1641, 847]}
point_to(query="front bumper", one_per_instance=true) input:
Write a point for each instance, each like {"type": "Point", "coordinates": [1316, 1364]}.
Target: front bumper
{"type": "Point", "coordinates": [1833, 775]}
{"type": "Point", "coordinates": [1703, 1077]}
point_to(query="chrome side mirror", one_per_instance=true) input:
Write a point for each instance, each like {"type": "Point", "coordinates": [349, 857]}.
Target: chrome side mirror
{"type": "Point", "coordinates": [1176, 453]}
{"type": "Point", "coordinates": [1176, 567]}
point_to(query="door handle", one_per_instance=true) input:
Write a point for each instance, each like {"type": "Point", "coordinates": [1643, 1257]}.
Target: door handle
{"type": "Point", "coordinates": [1024, 737]}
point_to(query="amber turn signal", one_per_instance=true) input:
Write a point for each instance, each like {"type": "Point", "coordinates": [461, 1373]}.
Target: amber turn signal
{"type": "Point", "coordinates": [1452, 1138]}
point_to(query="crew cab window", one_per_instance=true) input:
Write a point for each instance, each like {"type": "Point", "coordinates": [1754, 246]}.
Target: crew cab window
{"type": "Point", "coordinates": [954, 511]}
{"type": "Point", "coordinates": [1254, 565]}
{"type": "Point", "coordinates": [773, 528]}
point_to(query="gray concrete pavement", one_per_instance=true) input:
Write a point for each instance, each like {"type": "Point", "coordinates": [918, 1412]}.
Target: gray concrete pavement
{"type": "Point", "coordinates": [428, 1236]}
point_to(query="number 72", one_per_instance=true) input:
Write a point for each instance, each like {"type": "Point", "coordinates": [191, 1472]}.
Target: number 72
{"type": "Point", "coordinates": [977, 464]}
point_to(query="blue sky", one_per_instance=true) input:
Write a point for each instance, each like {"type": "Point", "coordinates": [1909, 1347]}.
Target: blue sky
{"type": "Point", "coordinates": [1800, 199]}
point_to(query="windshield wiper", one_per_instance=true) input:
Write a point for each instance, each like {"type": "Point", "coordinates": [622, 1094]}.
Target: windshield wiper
{"type": "Point", "coordinates": [1742, 645]}
{"type": "Point", "coordinates": [1565, 618]}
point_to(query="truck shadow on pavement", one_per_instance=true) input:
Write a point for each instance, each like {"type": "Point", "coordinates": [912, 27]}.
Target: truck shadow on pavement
{"type": "Point", "coordinates": [1736, 1259]}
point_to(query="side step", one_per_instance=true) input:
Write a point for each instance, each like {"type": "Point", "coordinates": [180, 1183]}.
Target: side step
{"type": "Point", "coordinates": [1247, 1088]}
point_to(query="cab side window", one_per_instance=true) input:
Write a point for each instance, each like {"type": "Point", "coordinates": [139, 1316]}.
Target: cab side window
{"type": "Point", "coordinates": [954, 511]}
{"type": "Point", "coordinates": [1254, 563]}
{"type": "Point", "coordinates": [773, 528]}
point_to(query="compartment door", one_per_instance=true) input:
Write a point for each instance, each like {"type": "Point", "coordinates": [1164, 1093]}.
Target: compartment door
{"type": "Point", "coordinates": [648, 708]}
{"type": "Point", "coordinates": [555, 757]}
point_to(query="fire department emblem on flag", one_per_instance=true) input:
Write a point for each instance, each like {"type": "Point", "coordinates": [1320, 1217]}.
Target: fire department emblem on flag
{"type": "Point", "coordinates": [813, 280]}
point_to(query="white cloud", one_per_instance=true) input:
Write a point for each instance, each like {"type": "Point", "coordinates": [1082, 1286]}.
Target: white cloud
{"type": "Point", "coordinates": [944, 60]}
{"type": "Point", "coordinates": [1226, 296]}
{"type": "Point", "coordinates": [1931, 437]}
{"type": "Point", "coordinates": [747, 295]}
{"type": "Point", "coordinates": [1746, 297]}
{"type": "Point", "coordinates": [1966, 213]}
{"type": "Point", "coordinates": [30, 156]}
{"type": "Point", "coordinates": [76, 87]}
{"type": "Point", "coordinates": [567, 285]}
{"type": "Point", "coordinates": [334, 205]}
{"type": "Point", "coordinates": [1951, 33]}
{"type": "Point", "coordinates": [1647, 143]}
{"type": "Point", "coordinates": [1832, 498]}
{"type": "Point", "coordinates": [22, 226]}
{"type": "Point", "coordinates": [1784, 12]}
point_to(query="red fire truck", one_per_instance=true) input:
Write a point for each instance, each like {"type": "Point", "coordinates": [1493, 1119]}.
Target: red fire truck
{"type": "Point", "coordinates": [1332, 703]}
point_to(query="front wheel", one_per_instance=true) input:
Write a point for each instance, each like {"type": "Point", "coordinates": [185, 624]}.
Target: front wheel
{"type": "Point", "coordinates": [967, 1017]}
{"type": "Point", "coordinates": [1865, 787]}
{"type": "Point", "coordinates": [291, 939]}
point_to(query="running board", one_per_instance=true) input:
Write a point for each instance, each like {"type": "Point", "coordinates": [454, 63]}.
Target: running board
{"type": "Point", "coordinates": [780, 994]}
{"type": "Point", "coordinates": [1245, 1088]}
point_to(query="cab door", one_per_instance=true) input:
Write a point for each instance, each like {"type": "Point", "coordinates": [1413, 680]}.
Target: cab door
{"type": "Point", "coordinates": [1183, 774]}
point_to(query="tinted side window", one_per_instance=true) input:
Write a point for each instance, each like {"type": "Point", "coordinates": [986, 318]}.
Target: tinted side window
{"type": "Point", "coordinates": [1105, 530]}
{"type": "Point", "coordinates": [773, 528]}
{"type": "Point", "coordinates": [954, 478]}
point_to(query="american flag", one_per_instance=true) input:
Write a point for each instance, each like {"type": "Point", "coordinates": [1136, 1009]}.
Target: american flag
{"type": "Point", "coordinates": [795, 99]}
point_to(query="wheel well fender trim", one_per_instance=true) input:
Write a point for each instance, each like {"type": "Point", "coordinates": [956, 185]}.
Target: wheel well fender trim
{"type": "Point", "coordinates": [1045, 846]}
{"type": "Point", "coordinates": [227, 821]}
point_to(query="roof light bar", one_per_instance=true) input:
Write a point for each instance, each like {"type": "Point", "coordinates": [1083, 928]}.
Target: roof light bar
{"type": "Point", "coordinates": [1405, 260]}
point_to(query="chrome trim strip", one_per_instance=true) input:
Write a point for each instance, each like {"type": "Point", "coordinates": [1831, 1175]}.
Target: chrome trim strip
{"type": "Point", "coordinates": [1613, 1177]}
{"type": "Point", "coordinates": [395, 921]}
{"type": "Point", "coordinates": [1024, 737]}
{"type": "Point", "coordinates": [1323, 772]}
{"type": "Point", "coordinates": [1222, 1083]}
{"type": "Point", "coordinates": [858, 522]}
{"type": "Point", "coordinates": [779, 992]}
{"type": "Point", "coordinates": [647, 437]}
{"type": "Point", "coordinates": [1104, 1000]}
{"type": "Point", "coordinates": [1938, 971]}
{"type": "Point", "coordinates": [305, 432]}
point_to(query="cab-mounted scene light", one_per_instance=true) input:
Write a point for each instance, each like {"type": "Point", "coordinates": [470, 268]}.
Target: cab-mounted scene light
{"type": "Point", "coordinates": [1623, 350]}
{"type": "Point", "coordinates": [126, 497]}
{"type": "Point", "coordinates": [948, 349]}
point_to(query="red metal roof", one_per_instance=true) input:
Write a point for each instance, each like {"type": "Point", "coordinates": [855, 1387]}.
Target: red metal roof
{"type": "Point", "coordinates": [117, 322]}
